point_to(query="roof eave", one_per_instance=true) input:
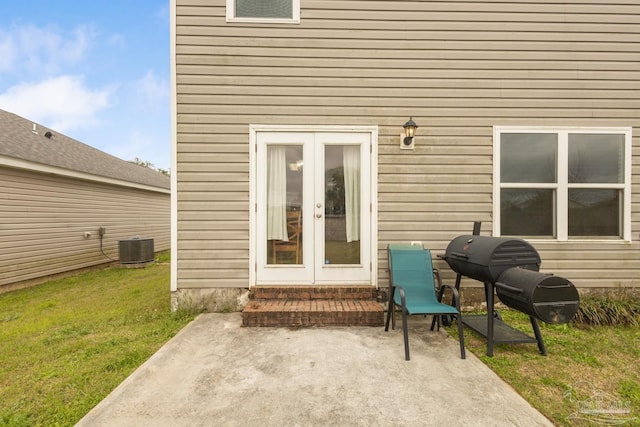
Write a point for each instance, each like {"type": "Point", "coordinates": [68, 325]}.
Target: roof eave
{"type": "Point", "coordinates": [16, 163]}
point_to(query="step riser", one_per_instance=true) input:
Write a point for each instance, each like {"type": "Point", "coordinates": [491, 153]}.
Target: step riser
{"type": "Point", "coordinates": [304, 293]}
{"type": "Point", "coordinates": [300, 306]}
{"type": "Point", "coordinates": [301, 319]}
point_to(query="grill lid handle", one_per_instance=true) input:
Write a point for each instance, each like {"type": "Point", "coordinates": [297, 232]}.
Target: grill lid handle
{"type": "Point", "coordinates": [508, 288]}
{"type": "Point", "coordinates": [563, 285]}
{"type": "Point", "coordinates": [460, 255]}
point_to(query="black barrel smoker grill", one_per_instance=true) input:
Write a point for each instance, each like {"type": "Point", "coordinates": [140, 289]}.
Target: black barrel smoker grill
{"type": "Point", "coordinates": [510, 268]}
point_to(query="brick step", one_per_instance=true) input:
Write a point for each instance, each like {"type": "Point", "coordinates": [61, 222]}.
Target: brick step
{"type": "Point", "coordinates": [312, 293]}
{"type": "Point", "coordinates": [317, 312]}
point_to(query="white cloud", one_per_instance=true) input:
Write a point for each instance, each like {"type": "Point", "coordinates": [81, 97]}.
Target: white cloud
{"type": "Point", "coordinates": [63, 103]}
{"type": "Point", "coordinates": [151, 92]}
{"type": "Point", "coordinates": [75, 49]}
{"type": "Point", "coordinates": [41, 51]}
{"type": "Point", "coordinates": [136, 143]}
{"type": "Point", "coordinates": [7, 53]}
{"type": "Point", "coordinates": [163, 12]}
{"type": "Point", "coordinates": [117, 40]}
{"type": "Point", "coordinates": [144, 146]}
{"type": "Point", "coordinates": [42, 71]}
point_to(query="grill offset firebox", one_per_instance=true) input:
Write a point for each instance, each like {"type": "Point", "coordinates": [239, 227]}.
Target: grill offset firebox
{"type": "Point", "coordinates": [510, 266]}
{"type": "Point", "coordinates": [549, 298]}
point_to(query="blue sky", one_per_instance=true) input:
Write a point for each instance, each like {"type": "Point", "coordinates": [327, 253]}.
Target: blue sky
{"type": "Point", "coordinates": [94, 70]}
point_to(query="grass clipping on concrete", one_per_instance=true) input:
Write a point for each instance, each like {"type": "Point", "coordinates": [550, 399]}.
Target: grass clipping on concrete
{"type": "Point", "coordinates": [590, 375]}
{"type": "Point", "coordinates": [68, 343]}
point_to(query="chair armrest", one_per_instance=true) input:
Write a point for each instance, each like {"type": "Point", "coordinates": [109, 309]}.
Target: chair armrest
{"type": "Point", "coordinates": [436, 274]}
{"type": "Point", "coordinates": [393, 292]}
{"type": "Point", "coordinates": [454, 291]}
{"type": "Point", "coordinates": [403, 299]}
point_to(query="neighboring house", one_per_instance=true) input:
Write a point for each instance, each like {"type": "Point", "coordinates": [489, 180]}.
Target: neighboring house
{"type": "Point", "coordinates": [55, 195]}
{"type": "Point", "coordinates": [528, 115]}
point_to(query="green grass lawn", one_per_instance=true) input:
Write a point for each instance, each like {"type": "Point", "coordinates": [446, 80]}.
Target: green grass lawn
{"type": "Point", "coordinates": [588, 373]}
{"type": "Point", "coordinates": [66, 344]}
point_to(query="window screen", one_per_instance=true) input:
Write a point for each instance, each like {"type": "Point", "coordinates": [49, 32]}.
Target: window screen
{"type": "Point", "coordinates": [277, 9]}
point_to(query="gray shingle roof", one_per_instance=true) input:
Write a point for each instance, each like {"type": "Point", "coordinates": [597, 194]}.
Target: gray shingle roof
{"type": "Point", "coordinates": [18, 140]}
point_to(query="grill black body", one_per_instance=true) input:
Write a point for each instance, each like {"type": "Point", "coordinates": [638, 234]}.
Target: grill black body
{"type": "Point", "coordinates": [485, 258]}
{"type": "Point", "coordinates": [549, 298]}
{"type": "Point", "coordinates": [512, 266]}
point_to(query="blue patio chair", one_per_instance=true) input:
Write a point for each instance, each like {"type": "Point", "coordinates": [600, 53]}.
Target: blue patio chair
{"type": "Point", "coordinates": [413, 289]}
{"type": "Point", "coordinates": [436, 273]}
{"type": "Point", "coordinates": [408, 247]}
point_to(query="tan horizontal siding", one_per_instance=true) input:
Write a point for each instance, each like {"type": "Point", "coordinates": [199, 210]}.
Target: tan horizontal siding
{"type": "Point", "coordinates": [232, 84]}
{"type": "Point", "coordinates": [43, 219]}
{"type": "Point", "coordinates": [263, 94]}
{"type": "Point", "coordinates": [375, 106]}
{"type": "Point", "coordinates": [458, 67]}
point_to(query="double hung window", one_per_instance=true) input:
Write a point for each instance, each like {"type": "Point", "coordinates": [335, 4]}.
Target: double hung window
{"type": "Point", "coordinates": [267, 11]}
{"type": "Point", "coordinates": [563, 184]}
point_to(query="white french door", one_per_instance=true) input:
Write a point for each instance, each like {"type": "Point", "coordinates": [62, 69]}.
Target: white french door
{"type": "Point", "coordinates": [313, 213]}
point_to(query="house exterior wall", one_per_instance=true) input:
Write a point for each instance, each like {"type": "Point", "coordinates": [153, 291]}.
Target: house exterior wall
{"type": "Point", "coordinates": [458, 68]}
{"type": "Point", "coordinates": [43, 219]}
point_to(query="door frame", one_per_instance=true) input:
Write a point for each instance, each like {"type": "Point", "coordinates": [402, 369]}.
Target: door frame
{"type": "Point", "coordinates": [254, 129]}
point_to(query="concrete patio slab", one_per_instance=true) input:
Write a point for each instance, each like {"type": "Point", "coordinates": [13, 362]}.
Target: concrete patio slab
{"type": "Point", "coordinates": [217, 373]}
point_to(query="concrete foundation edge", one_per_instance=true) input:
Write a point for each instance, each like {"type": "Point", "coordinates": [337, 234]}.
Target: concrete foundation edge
{"type": "Point", "coordinates": [212, 300]}
{"type": "Point", "coordinates": [227, 300]}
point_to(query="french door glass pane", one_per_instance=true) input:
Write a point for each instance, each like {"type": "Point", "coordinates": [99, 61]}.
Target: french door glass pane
{"type": "Point", "coordinates": [527, 212]}
{"type": "Point", "coordinates": [528, 157]}
{"type": "Point", "coordinates": [284, 204]}
{"type": "Point", "coordinates": [597, 158]}
{"type": "Point", "coordinates": [342, 204]}
{"type": "Point", "coordinates": [595, 212]}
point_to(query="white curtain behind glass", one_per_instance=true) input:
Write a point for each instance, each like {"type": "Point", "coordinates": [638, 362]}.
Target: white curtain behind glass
{"type": "Point", "coordinates": [276, 193]}
{"type": "Point", "coordinates": [351, 164]}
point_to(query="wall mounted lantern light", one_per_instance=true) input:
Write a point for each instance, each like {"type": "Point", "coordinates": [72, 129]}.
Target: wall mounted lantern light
{"type": "Point", "coordinates": [409, 132]}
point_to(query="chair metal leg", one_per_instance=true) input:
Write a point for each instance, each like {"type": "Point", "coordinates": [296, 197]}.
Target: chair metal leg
{"type": "Point", "coordinates": [461, 338]}
{"type": "Point", "coordinates": [433, 322]}
{"type": "Point", "coordinates": [392, 305]}
{"type": "Point", "coordinates": [405, 330]}
{"type": "Point", "coordinates": [390, 308]}
{"type": "Point", "coordinates": [393, 319]}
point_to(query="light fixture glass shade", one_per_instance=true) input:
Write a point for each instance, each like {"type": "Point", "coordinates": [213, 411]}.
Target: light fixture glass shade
{"type": "Point", "coordinates": [410, 128]}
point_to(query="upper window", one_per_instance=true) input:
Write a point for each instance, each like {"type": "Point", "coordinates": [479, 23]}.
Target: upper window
{"type": "Point", "coordinates": [562, 184]}
{"type": "Point", "coordinates": [269, 11]}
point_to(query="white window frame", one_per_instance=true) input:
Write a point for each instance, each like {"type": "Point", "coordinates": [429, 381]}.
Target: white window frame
{"type": "Point", "coordinates": [295, 19]}
{"type": "Point", "coordinates": [562, 186]}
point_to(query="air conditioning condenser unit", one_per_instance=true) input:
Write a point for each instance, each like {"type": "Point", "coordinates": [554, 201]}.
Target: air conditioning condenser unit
{"type": "Point", "coordinates": [135, 250]}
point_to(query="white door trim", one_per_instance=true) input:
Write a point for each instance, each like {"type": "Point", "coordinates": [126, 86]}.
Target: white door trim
{"type": "Point", "coordinates": [254, 129]}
